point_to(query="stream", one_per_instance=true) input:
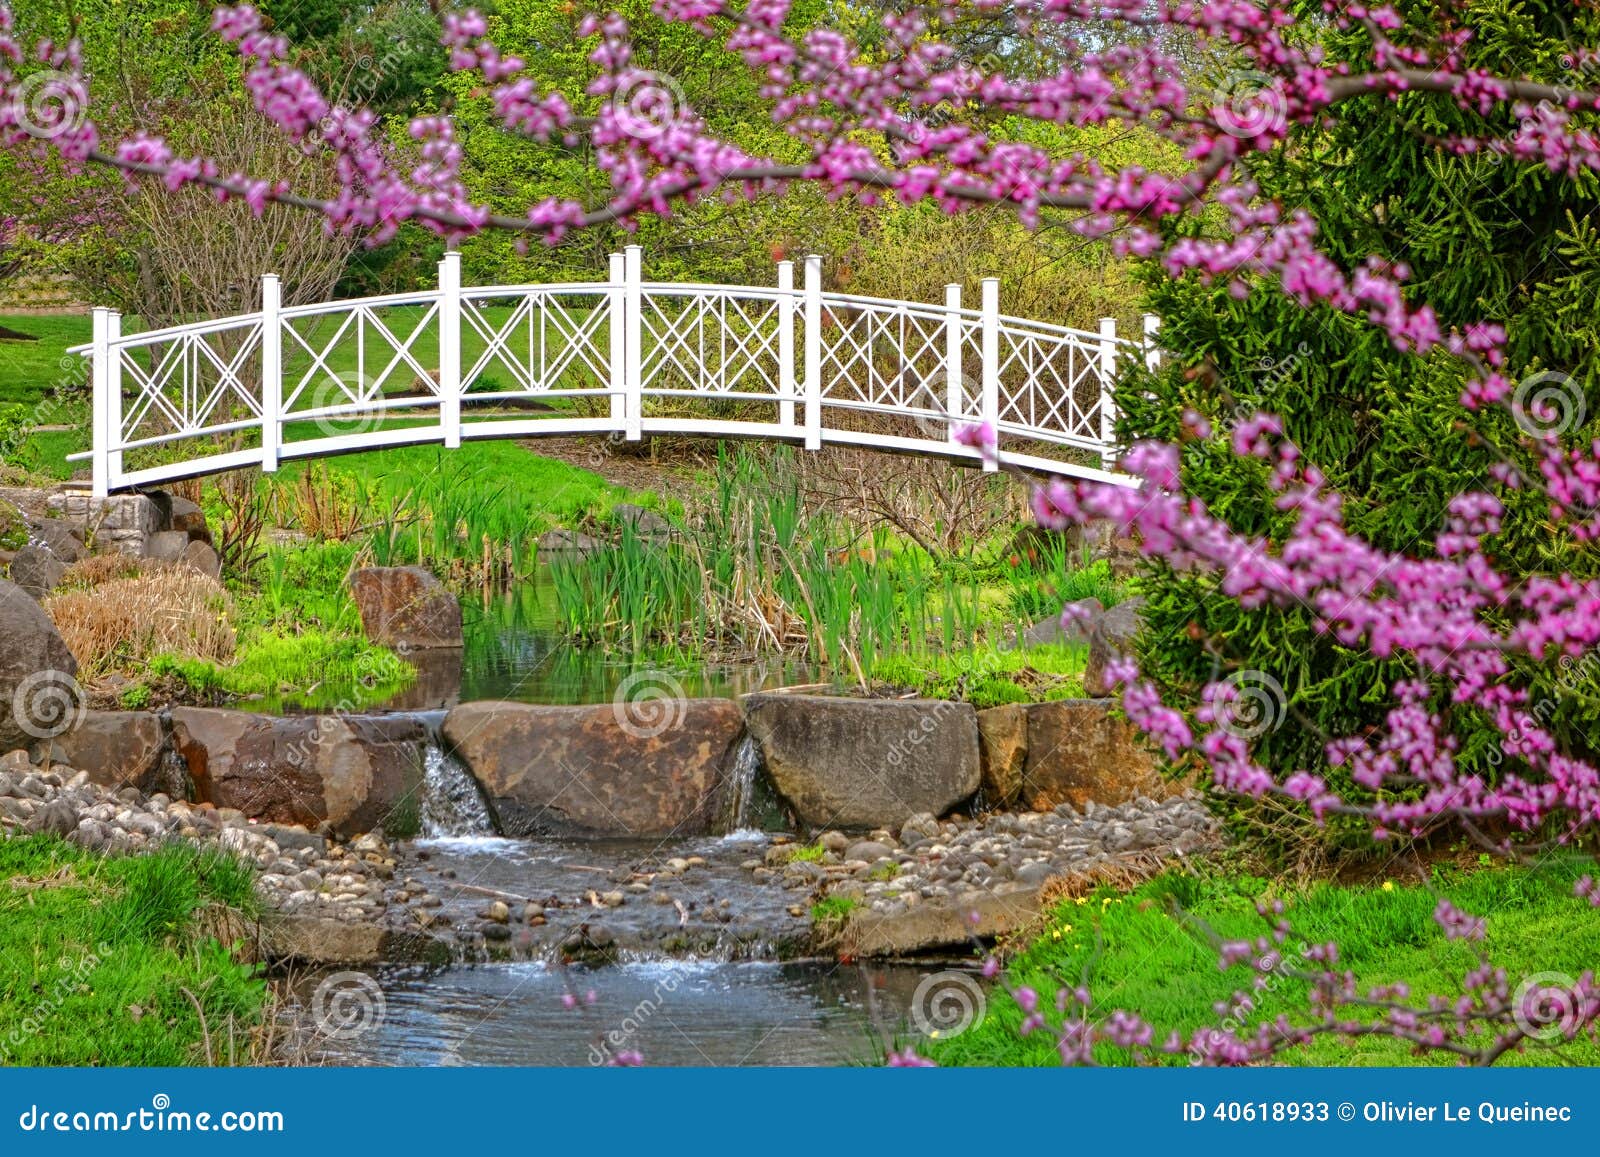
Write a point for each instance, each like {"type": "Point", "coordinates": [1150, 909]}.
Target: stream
{"type": "Point", "coordinates": [710, 973]}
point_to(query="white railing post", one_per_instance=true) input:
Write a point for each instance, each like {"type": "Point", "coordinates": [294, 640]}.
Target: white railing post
{"type": "Point", "coordinates": [450, 349]}
{"type": "Point", "coordinates": [99, 368]}
{"type": "Point", "coordinates": [633, 315]}
{"type": "Point", "coordinates": [990, 410]}
{"type": "Point", "coordinates": [954, 393]}
{"type": "Point", "coordinates": [1152, 339]}
{"type": "Point", "coordinates": [619, 342]}
{"type": "Point", "coordinates": [813, 292]}
{"type": "Point", "coordinates": [1108, 402]}
{"type": "Point", "coordinates": [786, 344]}
{"type": "Point", "coordinates": [271, 372]}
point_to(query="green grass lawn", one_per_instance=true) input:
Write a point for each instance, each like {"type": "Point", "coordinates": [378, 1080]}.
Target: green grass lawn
{"type": "Point", "coordinates": [1136, 952]}
{"type": "Point", "coordinates": [989, 676]}
{"type": "Point", "coordinates": [102, 960]}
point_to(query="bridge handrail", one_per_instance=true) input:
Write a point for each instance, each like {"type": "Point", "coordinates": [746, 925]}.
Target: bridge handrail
{"type": "Point", "coordinates": [940, 365]}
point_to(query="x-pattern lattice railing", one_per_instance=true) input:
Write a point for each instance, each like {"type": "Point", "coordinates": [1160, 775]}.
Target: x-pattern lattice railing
{"type": "Point", "coordinates": [624, 357]}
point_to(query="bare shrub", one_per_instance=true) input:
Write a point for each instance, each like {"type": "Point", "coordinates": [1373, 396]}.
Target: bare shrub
{"type": "Point", "coordinates": [123, 622]}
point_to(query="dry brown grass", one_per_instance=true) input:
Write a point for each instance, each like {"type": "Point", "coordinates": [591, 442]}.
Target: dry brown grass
{"type": "Point", "coordinates": [123, 622]}
{"type": "Point", "coordinates": [99, 569]}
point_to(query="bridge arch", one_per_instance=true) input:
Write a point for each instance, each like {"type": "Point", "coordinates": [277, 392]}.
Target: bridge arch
{"type": "Point", "coordinates": [621, 358]}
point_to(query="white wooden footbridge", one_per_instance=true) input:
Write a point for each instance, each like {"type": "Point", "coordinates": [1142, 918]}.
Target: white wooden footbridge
{"type": "Point", "coordinates": [623, 358]}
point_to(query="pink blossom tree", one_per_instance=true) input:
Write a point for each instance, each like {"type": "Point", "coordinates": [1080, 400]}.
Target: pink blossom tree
{"type": "Point", "coordinates": [912, 121]}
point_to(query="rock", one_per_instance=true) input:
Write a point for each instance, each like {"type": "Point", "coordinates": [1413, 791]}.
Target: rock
{"type": "Point", "coordinates": [122, 521]}
{"type": "Point", "coordinates": [561, 540]}
{"type": "Point", "coordinates": [1078, 753]}
{"type": "Point", "coordinates": [606, 769]}
{"type": "Point", "coordinates": [37, 570]}
{"type": "Point", "coordinates": [834, 841]}
{"type": "Point", "coordinates": [406, 607]}
{"type": "Point", "coordinates": [868, 851]}
{"type": "Point", "coordinates": [39, 695]}
{"type": "Point", "coordinates": [498, 911]}
{"type": "Point", "coordinates": [1051, 630]}
{"type": "Point", "coordinates": [116, 748]}
{"type": "Point", "coordinates": [353, 773]}
{"type": "Point", "coordinates": [185, 516]}
{"type": "Point", "coordinates": [58, 537]}
{"type": "Point", "coordinates": [1003, 748]}
{"type": "Point", "coordinates": [645, 523]}
{"type": "Point", "coordinates": [312, 939]}
{"type": "Point", "coordinates": [865, 763]}
{"type": "Point", "coordinates": [919, 827]}
{"type": "Point", "coordinates": [55, 818]}
{"type": "Point", "coordinates": [203, 558]}
{"type": "Point", "coordinates": [1112, 635]}
{"type": "Point", "coordinates": [166, 545]}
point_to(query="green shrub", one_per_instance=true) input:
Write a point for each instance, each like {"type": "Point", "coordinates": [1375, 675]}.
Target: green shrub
{"type": "Point", "coordinates": [1482, 241]}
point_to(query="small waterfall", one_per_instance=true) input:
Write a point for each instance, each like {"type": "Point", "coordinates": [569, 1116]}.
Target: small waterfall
{"type": "Point", "coordinates": [452, 804]}
{"type": "Point", "coordinates": [742, 809]}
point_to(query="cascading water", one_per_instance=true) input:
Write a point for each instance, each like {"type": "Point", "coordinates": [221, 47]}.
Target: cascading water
{"type": "Point", "coordinates": [452, 804]}
{"type": "Point", "coordinates": [742, 809]}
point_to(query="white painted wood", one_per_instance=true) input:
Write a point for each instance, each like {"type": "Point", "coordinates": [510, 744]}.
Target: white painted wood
{"type": "Point", "coordinates": [616, 331]}
{"type": "Point", "coordinates": [271, 372]}
{"type": "Point", "coordinates": [989, 408]}
{"type": "Point", "coordinates": [1152, 342]}
{"type": "Point", "coordinates": [786, 315]}
{"type": "Point", "coordinates": [99, 370]}
{"type": "Point", "coordinates": [449, 321]}
{"type": "Point", "coordinates": [955, 391]}
{"type": "Point", "coordinates": [1108, 403]}
{"type": "Point", "coordinates": [633, 313]}
{"type": "Point", "coordinates": [813, 386]}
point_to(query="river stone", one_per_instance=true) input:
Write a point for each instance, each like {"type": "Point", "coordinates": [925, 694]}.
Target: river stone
{"type": "Point", "coordinates": [599, 770]}
{"type": "Point", "coordinates": [115, 748]}
{"type": "Point", "coordinates": [862, 764]}
{"type": "Point", "coordinates": [561, 540]}
{"type": "Point", "coordinates": [1111, 634]}
{"type": "Point", "coordinates": [35, 662]}
{"type": "Point", "coordinates": [59, 538]}
{"type": "Point", "coordinates": [166, 545]}
{"type": "Point", "coordinates": [351, 773]}
{"type": "Point", "coordinates": [645, 523]}
{"type": "Point", "coordinates": [1080, 753]}
{"type": "Point", "coordinates": [37, 570]}
{"type": "Point", "coordinates": [1003, 746]}
{"type": "Point", "coordinates": [406, 607]}
{"type": "Point", "coordinates": [203, 557]}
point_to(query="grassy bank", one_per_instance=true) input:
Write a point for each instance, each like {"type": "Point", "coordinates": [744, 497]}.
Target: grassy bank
{"type": "Point", "coordinates": [990, 676]}
{"type": "Point", "coordinates": [116, 961]}
{"type": "Point", "coordinates": [1142, 951]}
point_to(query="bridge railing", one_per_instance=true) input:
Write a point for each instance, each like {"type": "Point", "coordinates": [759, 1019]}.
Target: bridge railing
{"type": "Point", "coordinates": [624, 358]}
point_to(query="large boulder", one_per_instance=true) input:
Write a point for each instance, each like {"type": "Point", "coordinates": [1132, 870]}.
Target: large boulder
{"type": "Point", "coordinates": [37, 570]}
{"type": "Point", "coordinates": [1078, 751]}
{"type": "Point", "coordinates": [39, 695]}
{"type": "Point", "coordinates": [121, 522]}
{"type": "Point", "coordinates": [115, 749]}
{"type": "Point", "coordinates": [1003, 747]}
{"type": "Point", "coordinates": [343, 774]}
{"type": "Point", "coordinates": [608, 769]}
{"type": "Point", "coordinates": [406, 607]}
{"type": "Point", "coordinates": [866, 763]}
